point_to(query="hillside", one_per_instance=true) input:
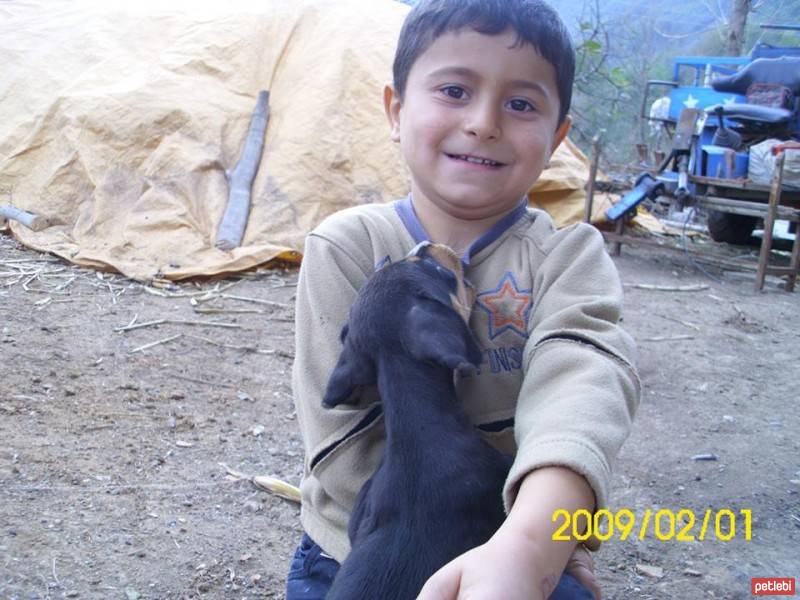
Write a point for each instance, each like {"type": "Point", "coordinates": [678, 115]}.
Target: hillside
{"type": "Point", "coordinates": [688, 26]}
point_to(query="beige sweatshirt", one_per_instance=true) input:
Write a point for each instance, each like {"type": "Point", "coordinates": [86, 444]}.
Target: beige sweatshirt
{"type": "Point", "coordinates": [557, 384]}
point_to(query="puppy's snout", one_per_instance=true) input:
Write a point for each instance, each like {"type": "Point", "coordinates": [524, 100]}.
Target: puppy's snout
{"type": "Point", "coordinates": [464, 296]}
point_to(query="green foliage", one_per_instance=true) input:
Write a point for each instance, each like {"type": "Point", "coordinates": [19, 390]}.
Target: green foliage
{"type": "Point", "coordinates": [592, 46]}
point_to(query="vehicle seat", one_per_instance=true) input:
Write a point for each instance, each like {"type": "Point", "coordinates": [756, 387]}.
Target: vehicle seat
{"type": "Point", "coordinates": [783, 71]}
{"type": "Point", "coordinates": [772, 87]}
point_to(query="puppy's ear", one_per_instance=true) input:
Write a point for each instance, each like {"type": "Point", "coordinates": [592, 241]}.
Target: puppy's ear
{"type": "Point", "coordinates": [420, 250]}
{"type": "Point", "coordinates": [353, 371]}
{"type": "Point", "coordinates": [437, 334]}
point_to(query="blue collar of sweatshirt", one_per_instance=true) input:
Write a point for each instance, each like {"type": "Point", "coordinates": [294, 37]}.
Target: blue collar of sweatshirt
{"type": "Point", "coordinates": [405, 209]}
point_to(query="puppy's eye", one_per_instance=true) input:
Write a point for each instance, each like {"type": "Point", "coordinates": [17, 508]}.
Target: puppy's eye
{"type": "Point", "coordinates": [446, 274]}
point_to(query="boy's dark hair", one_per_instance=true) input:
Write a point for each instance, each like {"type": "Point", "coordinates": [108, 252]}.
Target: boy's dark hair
{"type": "Point", "coordinates": [534, 22]}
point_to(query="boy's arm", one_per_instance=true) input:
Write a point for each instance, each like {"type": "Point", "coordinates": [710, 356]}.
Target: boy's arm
{"type": "Point", "coordinates": [580, 389]}
{"type": "Point", "coordinates": [575, 407]}
{"type": "Point", "coordinates": [330, 276]}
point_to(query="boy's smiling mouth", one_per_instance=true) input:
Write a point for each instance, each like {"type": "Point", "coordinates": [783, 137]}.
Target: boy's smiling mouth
{"type": "Point", "coordinates": [476, 160]}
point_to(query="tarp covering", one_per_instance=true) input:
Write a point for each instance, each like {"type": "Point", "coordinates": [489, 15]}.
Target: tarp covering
{"type": "Point", "coordinates": [119, 126]}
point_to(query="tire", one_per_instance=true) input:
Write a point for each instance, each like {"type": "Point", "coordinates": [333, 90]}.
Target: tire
{"type": "Point", "coordinates": [730, 228]}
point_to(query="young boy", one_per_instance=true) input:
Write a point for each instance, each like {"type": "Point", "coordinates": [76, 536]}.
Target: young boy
{"type": "Point", "coordinates": [479, 103]}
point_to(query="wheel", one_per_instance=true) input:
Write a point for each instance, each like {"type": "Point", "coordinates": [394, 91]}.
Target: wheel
{"type": "Point", "coordinates": [730, 228]}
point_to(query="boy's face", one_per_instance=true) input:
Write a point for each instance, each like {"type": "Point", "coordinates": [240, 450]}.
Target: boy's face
{"type": "Point", "coordinates": [472, 96]}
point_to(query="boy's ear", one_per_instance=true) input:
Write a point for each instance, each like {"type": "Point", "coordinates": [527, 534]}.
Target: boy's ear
{"type": "Point", "coordinates": [561, 133]}
{"type": "Point", "coordinates": [392, 106]}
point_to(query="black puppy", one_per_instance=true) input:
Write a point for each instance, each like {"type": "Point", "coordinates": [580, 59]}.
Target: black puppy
{"type": "Point", "coordinates": [437, 491]}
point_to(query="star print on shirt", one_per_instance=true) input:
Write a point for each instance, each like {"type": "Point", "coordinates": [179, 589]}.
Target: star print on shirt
{"type": "Point", "coordinates": [508, 307]}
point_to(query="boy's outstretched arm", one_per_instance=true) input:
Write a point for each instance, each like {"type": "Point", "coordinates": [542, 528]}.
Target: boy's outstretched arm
{"type": "Point", "coordinates": [520, 562]}
{"type": "Point", "coordinates": [575, 406]}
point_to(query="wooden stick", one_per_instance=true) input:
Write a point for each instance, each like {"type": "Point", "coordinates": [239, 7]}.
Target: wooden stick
{"type": "Point", "coordinates": [769, 222]}
{"type": "Point", "coordinates": [684, 323]}
{"type": "Point", "coordinates": [240, 180]}
{"type": "Point", "coordinates": [210, 310]}
{"type": "Point", "coordinates": [667, 338]}
{"type": "Point", "coordinates": [156, 343]}
{"type": "Point", "coordinates": [204, 382]}
{"type": "Point", "coordinates": [590, 185]}
{"type": "Point", "coordinates": [668, 288]}
{"type": "Point", "coordinates": [794, 263]}
{"type": "Point", "coordinates": [9, 261]}
{"type": "Point", "coordinates": [253, 349]}
{"type": "Point", "coordinates": [257, 301]}
{"type": "Point", "coordinates": [178, 322]}
{"type": "Point", "coordinates": [200, 293]}
{"type": "Point", "coordinates": [32, 221]}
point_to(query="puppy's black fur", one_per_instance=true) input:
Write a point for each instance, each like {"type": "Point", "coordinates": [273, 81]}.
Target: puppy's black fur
{"type": "Point", "coordinates": [437, 491]}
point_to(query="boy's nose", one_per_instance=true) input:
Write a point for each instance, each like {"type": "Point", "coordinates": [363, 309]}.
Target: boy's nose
{"type": "Point", "coordinates": [483, 122]}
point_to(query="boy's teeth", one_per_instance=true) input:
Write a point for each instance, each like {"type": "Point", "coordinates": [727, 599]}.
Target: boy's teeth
{"type": "Point", "coordinates": [478, 161]}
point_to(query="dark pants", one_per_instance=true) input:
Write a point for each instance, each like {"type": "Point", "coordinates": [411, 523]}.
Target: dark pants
{"type": "Point", "coordinates": [311, 575]}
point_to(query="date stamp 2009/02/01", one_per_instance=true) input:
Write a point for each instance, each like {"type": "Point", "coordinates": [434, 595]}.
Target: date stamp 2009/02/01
{"type": "Point", "coordinates": [665, 525]}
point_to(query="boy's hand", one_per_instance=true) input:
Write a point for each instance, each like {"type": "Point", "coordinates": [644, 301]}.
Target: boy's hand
{"type": "Point", "coordinates": [497, 569]}
{"type": "Point", "coordinates": [500, 568]}
{"type": "Point", "coordinates": [521, 561]}
{"type": "Point", "coordinates": [581, 567]}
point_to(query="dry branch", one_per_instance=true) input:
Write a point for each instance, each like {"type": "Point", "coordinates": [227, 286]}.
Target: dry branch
{"type": "Point", "coordinates": [200, 293]}
{"type": "Point", "coordinates": [156, 343]}
{"type": "Point", "coordinates": [253, 349]}
{"type": "Point", "coordinates": [668, 288]}
{"type": "Point", "coordinates": [234, 221]}
{"type": "Point", "coordinates": [134, 325]}
{"type": "Point", "coordinates": [668, 338]}
{"type": "Point", "coordinates": [204, 382]}
{"type": "Point", "coordinates": [684, 323]}
{"type": "Point", "coordinates": [210, 310]}
{"type": "Point", "coordinates": [257, 301]}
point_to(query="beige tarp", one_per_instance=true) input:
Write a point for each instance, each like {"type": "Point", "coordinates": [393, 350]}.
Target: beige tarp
{"type": "Point", "coordinates": [119, 127]}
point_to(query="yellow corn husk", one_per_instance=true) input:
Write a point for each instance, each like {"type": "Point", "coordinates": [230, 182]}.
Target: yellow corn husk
{"type": "Point", "coordinates": [277, 487]}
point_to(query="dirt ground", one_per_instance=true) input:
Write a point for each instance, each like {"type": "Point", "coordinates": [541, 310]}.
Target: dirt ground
{"type": "Point", "coordinates": [111, 476]}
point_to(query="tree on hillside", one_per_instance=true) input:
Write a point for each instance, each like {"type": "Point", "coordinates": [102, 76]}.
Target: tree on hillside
{"type": "Point", "coordinates": [737, 24]}
{"type": "Point", "coordinates": [615, 58]}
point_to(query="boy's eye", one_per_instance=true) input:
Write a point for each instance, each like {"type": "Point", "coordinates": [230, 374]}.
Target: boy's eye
{"type": "Point", "coordinates": [520, 105]}
{"type": "Point", "coordinates": [454, 91]}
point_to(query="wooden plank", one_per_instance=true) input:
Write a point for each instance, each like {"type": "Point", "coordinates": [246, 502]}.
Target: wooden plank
{"type": "Point", "coordinates": [587, 211]}
{"type": "Point", "coordinates": [794, 264]}
{"type": "Point", "coordinates": [769, 222]}
{"type": "Point", "coordinates": [743, 207]}
{"type": "Point", "coordinates": [704, 256]}
{"type": "Point", "coordinates": [737, 184]}
{"type": "Point", "coordinates": [32, 221]}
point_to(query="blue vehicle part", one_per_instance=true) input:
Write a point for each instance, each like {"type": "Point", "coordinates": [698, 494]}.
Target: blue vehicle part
{"type": "Point", "coordinates": [755, 113]}
{"type": "Point", "coordinates": [701, 68]}
{"type": "Point", "coordinates": [768, 51]}
{"type": "Point", "coordinates": [724, 136]}
{"type": "Point", "coordinates": [647, 186]}
{"type": "Point", "coordinates": [698, 97]}
{"type": "Point", "coordinates": [669, 179]}
{"type": "Point", "coordinates": [724, 163]}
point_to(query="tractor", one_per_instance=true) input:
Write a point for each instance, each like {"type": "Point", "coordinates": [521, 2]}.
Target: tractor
{"type": "Point", "coordinates": [716, 113]}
